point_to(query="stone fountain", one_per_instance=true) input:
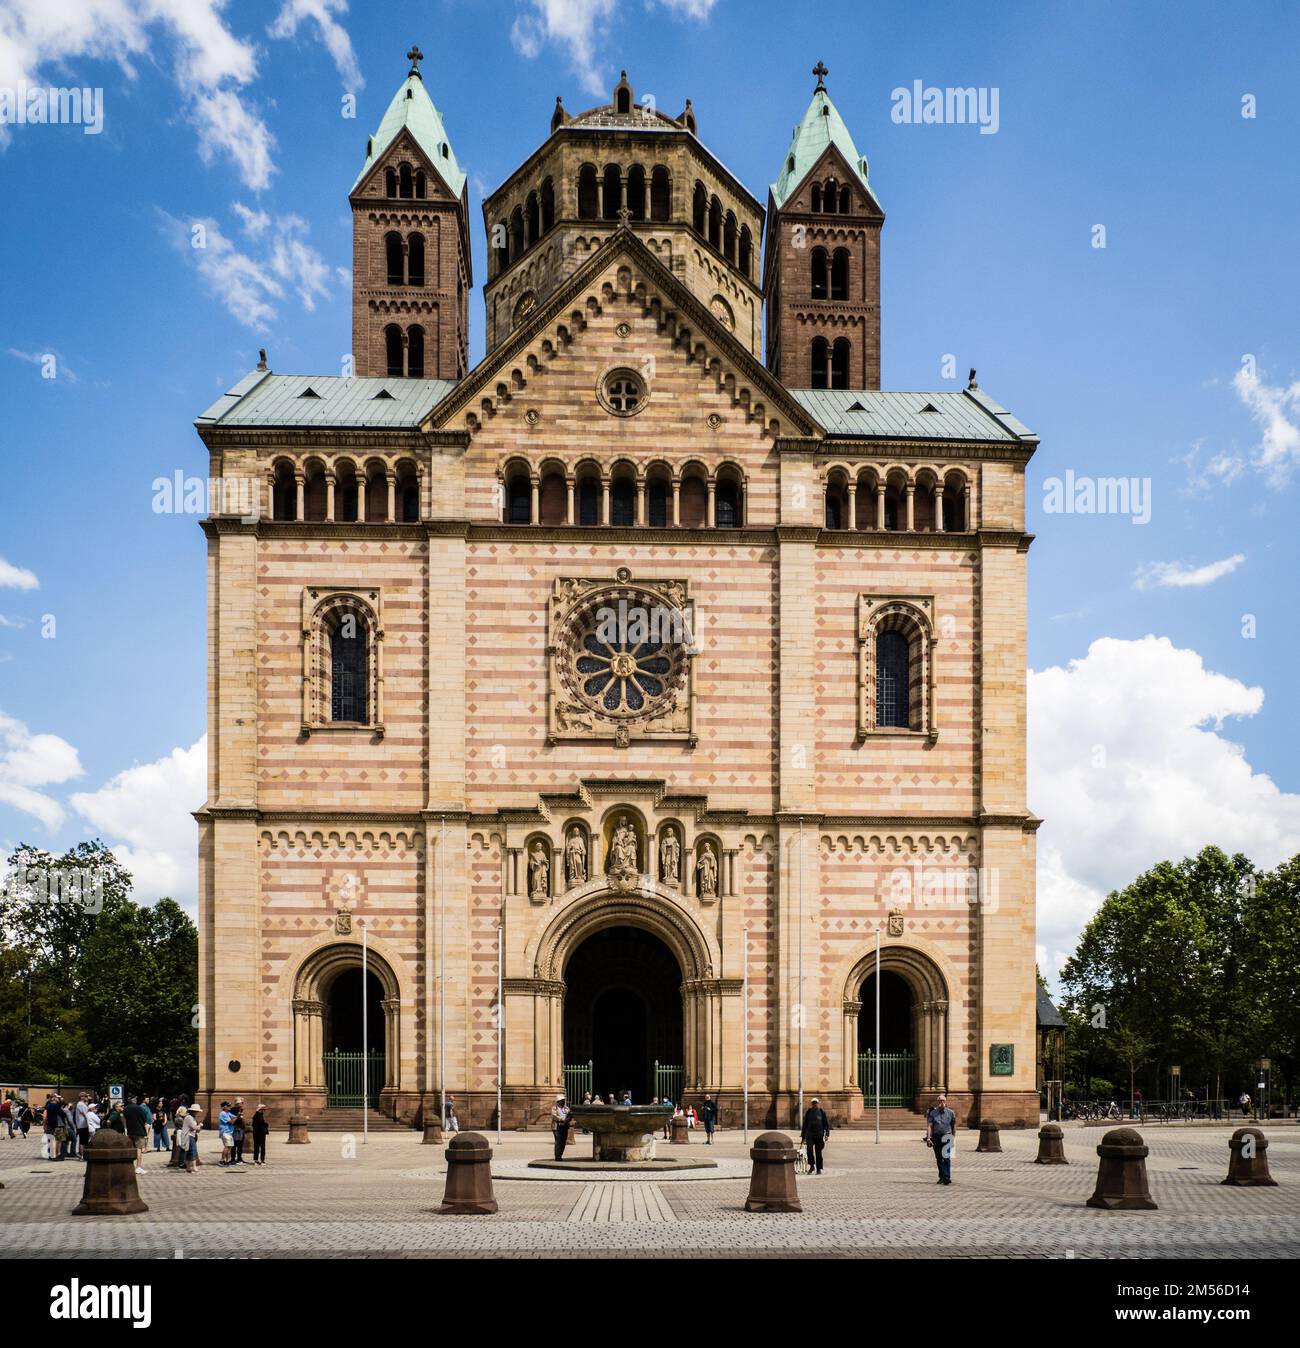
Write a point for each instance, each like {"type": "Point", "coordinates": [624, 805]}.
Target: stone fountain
{"type": "Point", "coordinates": [623, 1138]}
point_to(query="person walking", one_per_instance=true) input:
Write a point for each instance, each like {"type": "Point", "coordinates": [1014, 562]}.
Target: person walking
{"type": "Point", "coordinates": [260, 1129]}
{"type": "Point", "coordinates": [224, 1132]}
{"type": "Point", "coordinates": [560, 1125]}
{"type": "Point", "coordinates": [190, 1130]}
{"type": "Point", "coordinates": [25, 1119]}
{"type": "Point", "coordinates": [709, 1117]}
{"type": "Point", "coordinates": [81, 1121]}
{"type": "Point", "coordinates": [137, 1118]}
{"type": "Point", "coordinates": [816, 1129]}
{"type": "Point", "coordinates": [941, 1136]}
{"type": "Point", "coordinates": [451, 1123]}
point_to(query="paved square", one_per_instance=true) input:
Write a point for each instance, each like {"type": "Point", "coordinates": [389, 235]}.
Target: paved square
{"type": "Point", "coordinates": [338, 1198]}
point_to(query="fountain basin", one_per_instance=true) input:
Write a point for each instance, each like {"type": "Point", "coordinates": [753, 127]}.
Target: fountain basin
{"type": "Point", "coordinates": [622, 1132]}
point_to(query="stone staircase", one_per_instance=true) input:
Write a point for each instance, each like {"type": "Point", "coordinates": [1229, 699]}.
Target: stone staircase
{"type": "Point", "coordinates": [353, 1120]}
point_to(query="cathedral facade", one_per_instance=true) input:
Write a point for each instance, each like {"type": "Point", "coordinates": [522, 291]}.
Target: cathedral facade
{"type": "Point", "coordinates": [640, 709]}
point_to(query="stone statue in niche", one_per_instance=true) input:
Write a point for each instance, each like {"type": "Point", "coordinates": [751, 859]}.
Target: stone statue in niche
{"type": "Point", "coordinates": [623, 852]}
{"type": "Point", "coordinates": [539, 873]}
{"type": "Point", "coordinates": [707, 870]}
{"type": "Point", "coordinates": [670, 858]}
{"type": "Point", "coordinates": [575, 858]}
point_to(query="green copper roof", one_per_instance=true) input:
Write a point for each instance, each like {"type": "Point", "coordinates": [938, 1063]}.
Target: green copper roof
{"type": "Point", "coordinates": [888, 415]}
{"type": "Point", "coordinates": [821, 126]}
{"type": "Point", "coordinates": [412, 110]}
{"type": "Point", "coordinates": [326, 401]}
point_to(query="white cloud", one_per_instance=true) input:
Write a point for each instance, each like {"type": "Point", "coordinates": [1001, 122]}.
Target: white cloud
{"type": "Point", "coordinates": [1221, 469]}
{"type": "Point", "coordinates": [250, 287]}
{"type": "Point", "coordinates": [575, 25]}
{"type": "Point", "coordinates": [255, 223]}
{"type": "Point", "coordinates": [227, 125]}
{"type": "Point", "coordinates": [57, 367]}
{"type": "Point", "coordinates": [1174, 575]}
{"type": "Point", "coordinates": [1277, 410]}
{"type": "Point", "coordinates": [17, 577]}
{"type": "Point", "coordinates": [1128, 766]}
{"type": "Point", "coordinates": [699, 10]}
{"type": "Point", "coordinates": [332, 33]}
{"type": "Point", "coordinates": [145, 814]}
{"type": "Point", "coordinates": [29, 761]}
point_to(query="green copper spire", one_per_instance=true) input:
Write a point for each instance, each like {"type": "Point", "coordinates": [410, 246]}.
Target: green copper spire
{"type": "Point", "coordinates": [412, 110]}
{"type": "Point", "coordinates": [820, 127]}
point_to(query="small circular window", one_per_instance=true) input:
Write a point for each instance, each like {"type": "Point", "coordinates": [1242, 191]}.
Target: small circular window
{"type": "Point", "coordinates": [623, 392]}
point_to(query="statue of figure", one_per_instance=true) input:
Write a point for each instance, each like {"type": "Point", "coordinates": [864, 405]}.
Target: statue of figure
{"type": "Point", "coordinates": [670, 856]}
{"type": "Point", "coordinates": [623, 853]}
{"type": "Point", "coordinates": [575, 858]}
{"type": "Point", "coordinates": [707, 869]}
{"type": "Point", "coordinates": [539, 872]}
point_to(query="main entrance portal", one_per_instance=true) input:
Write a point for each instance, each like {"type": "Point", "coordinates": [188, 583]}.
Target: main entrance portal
{"type": "Point", "coordinates": [623, 1016]}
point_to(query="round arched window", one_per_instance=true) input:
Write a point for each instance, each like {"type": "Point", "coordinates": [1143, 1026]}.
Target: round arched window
{"type": "Point", "coordinates": [623, 392]}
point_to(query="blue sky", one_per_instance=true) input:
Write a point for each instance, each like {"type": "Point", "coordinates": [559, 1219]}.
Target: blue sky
{"type": "Point", "coordinates": [1169, 355]}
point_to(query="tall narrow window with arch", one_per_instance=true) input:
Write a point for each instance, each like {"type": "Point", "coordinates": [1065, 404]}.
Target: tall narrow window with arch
{"type": "Point", "coordinates": [344, 684]}
{"type": "Point", "coordinates": [896, 665]}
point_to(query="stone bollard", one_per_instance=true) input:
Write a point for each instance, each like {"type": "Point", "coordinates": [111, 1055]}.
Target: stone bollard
{"type": "Point", "coordinates": [469, 1175]}
{"type": "Point", "coordinates": [1122, 1174]}
{"type": "Point", "coordinates": [110, 1189]}
{"type": "Point", "coordinates": [1248, 1164]}
{"type": "Point", "coordinates": [298, 1128]}
{"type": "Point", "coordinates": [432, 1133]}
{"type": "Point", "coordinates": [771, 1182]}
{"type": "Point", "coordinates": [1051, 1145]}
{"type": "Point", "coordinates": [990, 1136]}
{"type": "Point", "coordinates": [681, 1138]}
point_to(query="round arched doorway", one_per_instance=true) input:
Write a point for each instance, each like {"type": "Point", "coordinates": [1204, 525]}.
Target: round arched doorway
{"type": "Point", "coordinates": [913, 1059]}
{"type": "Point", "coordinates": [623, 1017]}
{"type": "Point", "coordinates": [897, 1047]}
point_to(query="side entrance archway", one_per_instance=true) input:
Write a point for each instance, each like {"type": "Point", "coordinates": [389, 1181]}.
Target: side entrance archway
{"type": "Point", "coordinates": [913, 1058]}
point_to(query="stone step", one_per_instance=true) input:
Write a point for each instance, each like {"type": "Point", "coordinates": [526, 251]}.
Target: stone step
{"type": "Point", "coordinates": [352, 1120]}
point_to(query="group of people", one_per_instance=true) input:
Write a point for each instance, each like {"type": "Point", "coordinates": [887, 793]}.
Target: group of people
{"type": "Point", "coordinates": [562, 1116]}
{"type": "Point", "coordinates": [66, 1127]}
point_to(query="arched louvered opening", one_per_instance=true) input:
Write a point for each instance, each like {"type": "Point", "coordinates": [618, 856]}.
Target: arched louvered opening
{"type": "Point", "coordinates": [552, 497]}
{"type": "Point", "coordinates": [816, 197]}
{"type": "Point", "coordinates": [588, 196]}
{"type": "Point", "coordinates": [516, 234]}
{"type": "Point", "coordinates": [699, 209]}
{"type": "Point", "coordinates": [284, 493]}
{"type": "Point", "coordinates": [893, 681]}
{"type": "Point", "coordinates": [820, 363]}
{"type": "Point", "coordinates": [840, 363]}
{"type": "Point", "coordinates": [818, 264]}
{"type": "Point", "coordinates": [519, 496]}
{"type": "Point", "coordinates": [532, 219]}
{"type": "Point", "coordinates": [830, 197]}
{"type": "Point", "coordinates": [840, 274]}
{"type": "Point", "coordinates": [347, 500]}
{"type": "Point", "coordinates": [660, 194]}
{"type": "Point", "coordinates": [744, 259]}
{"type": "Point", "coordinates": [420, 184]}
{"type": "Point", "coordinates": [390, 182]}
{"type": "Point", "coordinates": [846, 202]}
{"type": "Point", "coordinates": [613, 192]}
{"type": "Point", "coordinates": [315, 495]}
{"type": "Point", "coordinates": [729, 237]}
{"type": "Point", "coordinates": [393, 350]}
{"type": "Point", "coordinates": [405, 181]}
{"type": "Point", "coordinates": [728, 499]}
{"type": "Point", "coordinates": [636, 192]}
{"type": "Point", "coordinates": [415, 352]}
{"type": "Point", "coordinates": [715, 223]}
{"type": "Point", "coordinates": [393, 258]}
{"type": "Point", "coordinates": [548, 205]}
{"type": "Point", "coordinates": [415, 260]}
{"type": "Point", "coordinates": [693, 500]}
{"type": "Point", "coordinates": [501, 245]}
{"type": "Point", "coordinates": [622, 498]}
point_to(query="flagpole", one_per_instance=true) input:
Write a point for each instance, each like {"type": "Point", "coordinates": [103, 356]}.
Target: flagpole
{"type": "Point", "coordinates": [799, 1004]}
{"type": "Point", "coordinates": [501, 1018]}
{"type": "Point", "coordinates": [365, 1037]}
{"type": "Point", "coordinates": [744, 1035]}
{"type": "Point", "coordinates": [877, 1062]}
{"type": "Point", "coordinates": [442, 942]}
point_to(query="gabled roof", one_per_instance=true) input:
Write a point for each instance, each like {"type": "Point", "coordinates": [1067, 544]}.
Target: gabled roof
{"type": "Point", "coordinates": [326, 402]}
{"type": "Point", "coordinates": [821, 127]}
{"type": "Point", "coordinates": [624, 241]}
{"type": "Point", "coordinates": [874, 413]}
{"type": "Point", "coordinates": [1049, 1018]}
{"type": "Point", "coordinates": [412, 110]}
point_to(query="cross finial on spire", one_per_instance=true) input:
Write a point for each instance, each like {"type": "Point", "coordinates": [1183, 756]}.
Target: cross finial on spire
{"type": "Point", "coordinates": [821, 72]}
{"type": "Point", "coordinates": [415, 56]}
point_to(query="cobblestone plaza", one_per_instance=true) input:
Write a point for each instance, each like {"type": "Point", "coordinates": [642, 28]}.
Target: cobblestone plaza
{"type": "Point", "coordinates": [338, 1198]}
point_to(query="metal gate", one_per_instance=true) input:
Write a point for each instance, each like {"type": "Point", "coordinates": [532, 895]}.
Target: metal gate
{"type": "Point", "coordinates": [577, 1081]}
{"type": "Point", "coordinates": [668, 1082]}
{"type": "Point", "coordinates": [897, 1078]}
{"type": "Point", "coordinates": [345, 1074]}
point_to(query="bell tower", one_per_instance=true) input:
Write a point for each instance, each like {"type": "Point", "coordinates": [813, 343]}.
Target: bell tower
{"type": "Point", "coordinates": [410, 244]}
{"type": "Point", "coordinates": [822, 257]}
